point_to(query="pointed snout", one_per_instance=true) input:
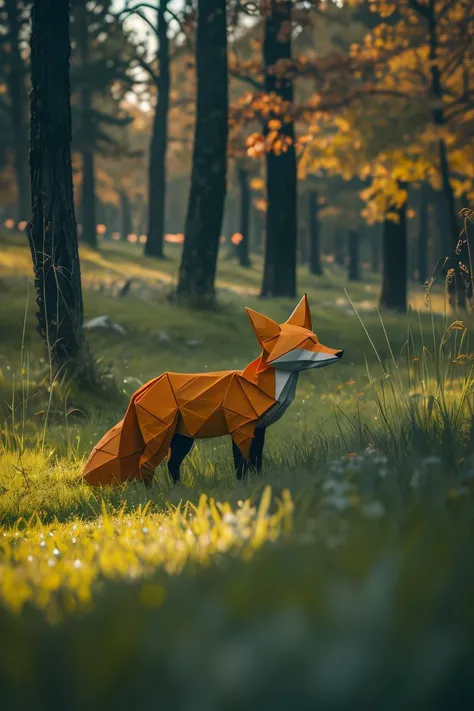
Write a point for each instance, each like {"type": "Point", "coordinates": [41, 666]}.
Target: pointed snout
{"type": "Point", "coordinates": [302, 359]}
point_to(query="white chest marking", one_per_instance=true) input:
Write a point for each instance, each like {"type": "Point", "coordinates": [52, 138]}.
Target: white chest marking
{"type": "Point", "coordinates": [281, 379]}
{"type": "Point", "coordinates": [285, 391]}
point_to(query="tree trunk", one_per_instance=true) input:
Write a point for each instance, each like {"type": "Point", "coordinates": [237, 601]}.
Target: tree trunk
{"type": "Point", "coordinates": [302, 252]}
{"type": "Point", "coordinates": [228, 218]}
{"type": "Point", "coordinates": [141, 214]}
{"type": "Point", "coordinates": [111, 212]}
{"type": "Point", "coordinates": [159, 145]}
{"type": "Point", "coordinates": [448, 193]}
{"type": "Point", "coordinates": [339, 251]}
{"type": "Point", "coordinates": [423, 235]}
{"type": "Point", "coordinates": [125, 214]}
{"type": "Point", "coordinates": [229, 222]}
{"type": "Point", "coordinates": [375, 242]}
{"type": "Point", "coordinates": [394, 275]}
{"type": "Point", "coordinates": [209, 170]}
{"type": "Point", "coordinates": [456, 282]}
{"type": "Point", "coordinates": [53, 233]}
{"type": "Point", "coordinates": [16, 76]}
{"type": "Point", "coordinates": [314, 226]}
{"type": "Point", "coordinates": [354, 259]}
{"type": "Point", "coordinates": [88, 197]}
{"type": "Point", "coordinates": [279, 276]}
{"type": "Point", "coordinates": [88, 200]}
{"type": "Point", "coordinates": [243, 247]}
{"type": "Point", "coordinates": [257, 230]}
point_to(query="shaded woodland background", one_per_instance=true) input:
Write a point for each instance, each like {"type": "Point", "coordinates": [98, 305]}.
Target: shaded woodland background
{"type": "Point", "coordinates": [307, 132]}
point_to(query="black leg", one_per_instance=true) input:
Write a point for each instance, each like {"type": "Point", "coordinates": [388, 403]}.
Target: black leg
{"type": "Point", "coordinates": [240, 464]}
{"type": "Point", "coordinates": [256, 449]}
{"type": "Point", "coordinates": [180, 446]}
{"type": "Point", "coordinates": [255, 456]}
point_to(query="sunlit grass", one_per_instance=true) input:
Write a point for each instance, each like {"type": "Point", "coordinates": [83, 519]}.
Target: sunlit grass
{"type": "Point", "coordinates": [56, 567]}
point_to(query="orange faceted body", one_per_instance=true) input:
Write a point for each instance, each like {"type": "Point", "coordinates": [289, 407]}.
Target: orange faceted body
{"type": "Point", "coordinates": [165, 415]}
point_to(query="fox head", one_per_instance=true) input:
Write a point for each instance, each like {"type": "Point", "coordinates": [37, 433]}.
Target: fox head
{"type": "Point", "coordinates": [292, 346]}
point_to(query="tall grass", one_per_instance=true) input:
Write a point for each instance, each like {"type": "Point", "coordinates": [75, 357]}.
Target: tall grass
{"type": "Point", "coordinates": [423, 396]}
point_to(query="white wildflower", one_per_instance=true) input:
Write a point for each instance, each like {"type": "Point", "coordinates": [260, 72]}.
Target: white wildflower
{"type": "Point", "coordinates": [340, 503]}
{"type": "Point", "coordinates": [431, 461]}
{"type": "Point", "coordinates": [373, 509]}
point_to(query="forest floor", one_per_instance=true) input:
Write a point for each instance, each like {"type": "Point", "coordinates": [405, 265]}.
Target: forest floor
{"type": "Point", "coordinates": [342, 576]}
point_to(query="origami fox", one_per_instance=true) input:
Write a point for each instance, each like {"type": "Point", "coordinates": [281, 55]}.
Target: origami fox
{"type": "Point", "coordinates": [166, 415]}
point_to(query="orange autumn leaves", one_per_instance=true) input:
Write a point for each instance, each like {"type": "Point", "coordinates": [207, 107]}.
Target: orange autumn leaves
{"type": "Point", "coordinates": [367, 112]}
{"type": "Point", "coordinates": [274, 112]}
{"type": "Point", "coordinates": [275, 141]}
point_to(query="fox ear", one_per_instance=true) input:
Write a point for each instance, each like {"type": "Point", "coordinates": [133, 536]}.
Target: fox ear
{"type": "Point", "coordinates": [265, 328]}
{"type": "Point", "coordinates": [301, 316]}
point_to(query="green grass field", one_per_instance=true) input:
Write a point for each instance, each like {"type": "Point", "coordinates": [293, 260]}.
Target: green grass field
{"type": "Point", "coordinates": [342, 577]}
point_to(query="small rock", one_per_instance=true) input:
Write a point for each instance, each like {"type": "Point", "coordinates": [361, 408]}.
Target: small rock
{"type": "Point", "coordinates": [104, 322]}
{"type": "Point", "coordinates": [193, 343]}
{"type": "Point", "coordinates": [98, 322]}
{"type": "Point", "coordinates": [160, 336]}
{"type": "Point", "coordinates": [119, 329]}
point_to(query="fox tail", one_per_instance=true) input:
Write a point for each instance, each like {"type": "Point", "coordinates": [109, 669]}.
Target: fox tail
{"type": "Point", "coordinates": [116, 458]}
{"type": "Point", "coordinates": [134, 447]}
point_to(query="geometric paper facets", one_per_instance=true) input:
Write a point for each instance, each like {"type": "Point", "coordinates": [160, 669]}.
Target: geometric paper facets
{"type": "Point", "coordinates": [199, 405]}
